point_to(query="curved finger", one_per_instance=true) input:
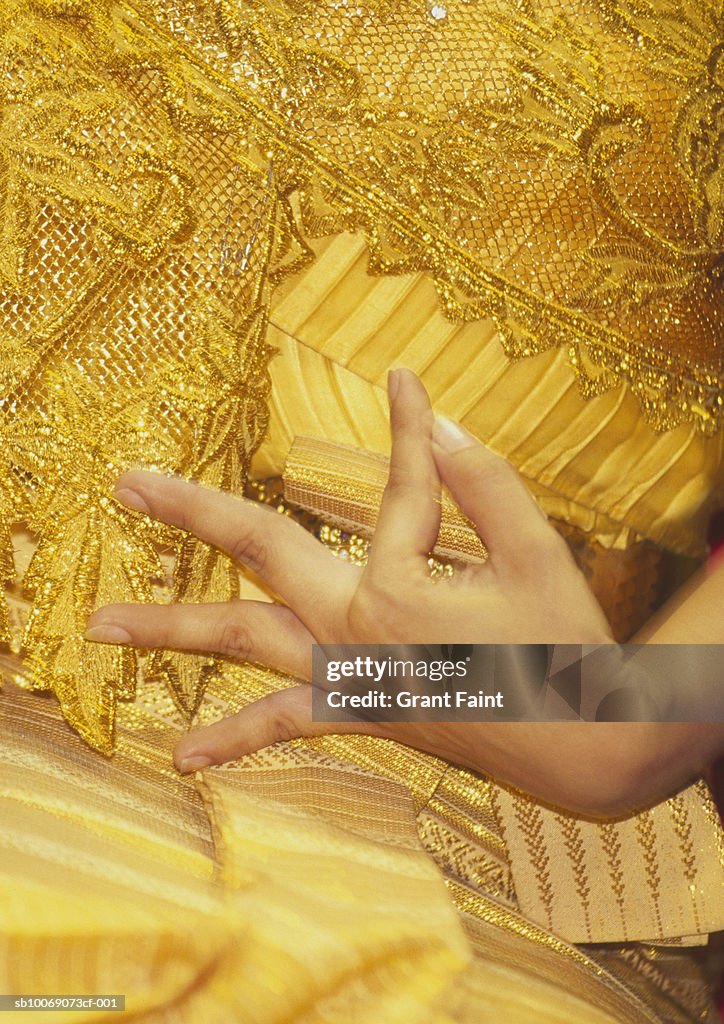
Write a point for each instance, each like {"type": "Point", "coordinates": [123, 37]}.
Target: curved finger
{"type": "Point", "coordinates": [283, 715]}
{"type": "Point", "coordinates": [274, 547]}
{"type": "Point", "coordinates": [244, 630]}
{"type": "Point", "coordinates": [492, 493]}
{"type": "Point", "coordinates": [409, 517]}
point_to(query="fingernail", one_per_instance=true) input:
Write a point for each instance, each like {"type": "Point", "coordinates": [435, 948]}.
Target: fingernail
{"type": "Point", "coordinates": [107, 635]}
{"type": "Point", "coordinates": [393, 383]}
{"type": "Point", "coordinates": [131, 499]}
{"type": "Point", "coordinates": [450, 436]}
{"type": "Point", "coordinates": [192, 764]}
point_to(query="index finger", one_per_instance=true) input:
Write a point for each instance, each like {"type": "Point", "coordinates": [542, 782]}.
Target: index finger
{"type": "Point", "coordinates": [277, 549]}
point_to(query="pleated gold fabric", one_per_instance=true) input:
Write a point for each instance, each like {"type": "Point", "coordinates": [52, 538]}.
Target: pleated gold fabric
{"type": "Point", "coordinates": [596, 465]}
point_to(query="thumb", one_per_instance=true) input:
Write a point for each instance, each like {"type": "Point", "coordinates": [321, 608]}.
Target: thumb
{"type": "Point", "coordinates": [491, 492]}
{"type": "Point", "coordinates": [282, 715]}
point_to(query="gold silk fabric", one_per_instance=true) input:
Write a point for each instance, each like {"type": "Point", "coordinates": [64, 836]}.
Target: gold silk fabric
{"type": "Point", "coordinates": [523, 201]}
{"type": "Point", "coordinates": [112, 881]}
{"type": "Point", "coordinates": [291, 887]}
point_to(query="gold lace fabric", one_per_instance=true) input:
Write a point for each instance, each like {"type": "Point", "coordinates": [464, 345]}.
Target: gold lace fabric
{"type": "Point", "coordinates": [163, 165]}
{"type": "Point", "coordinates": [554, 166]}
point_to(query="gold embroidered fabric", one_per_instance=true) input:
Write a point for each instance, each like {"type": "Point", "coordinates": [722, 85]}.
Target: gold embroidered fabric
{"type": "Point", "coordinates": [167, 165]}
{"type": "Point", "coordinates": [164, 165]}
{"type": "Point", "coordinates": [345, 486]}
{"type": "Point", "coordinates": [654, 876]}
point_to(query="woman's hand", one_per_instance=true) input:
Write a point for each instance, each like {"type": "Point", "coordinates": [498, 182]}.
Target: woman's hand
{"type": "Point", "coordinates": [528, 591]}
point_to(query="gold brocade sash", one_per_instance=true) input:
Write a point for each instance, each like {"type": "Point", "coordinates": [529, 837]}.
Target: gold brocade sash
{"type": "Point", "coordinates": [656, 877]}
{"type": "Point", "coordinates": [344, 485]}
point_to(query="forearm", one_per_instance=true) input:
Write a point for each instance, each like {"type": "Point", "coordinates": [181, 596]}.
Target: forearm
{"type": "Point", "coordinates": [695, 615]}
{"type": "Point", "coordinates": [606, 769]}
{"type": "Point", "coordinates": [601, 769]}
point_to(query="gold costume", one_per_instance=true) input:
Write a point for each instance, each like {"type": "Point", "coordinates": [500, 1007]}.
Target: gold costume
{"type": "Point", "coordinates": [523, 200]}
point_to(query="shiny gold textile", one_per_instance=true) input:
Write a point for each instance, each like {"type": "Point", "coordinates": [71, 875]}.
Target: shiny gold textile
{"type": "Point", "coordinates": [594, 464]}
{"type": "Point", "coordinates": [555, 167]}
{"type": "Point", "coordinates": [308, 902]}
{"type": "Point", "coordinates": [655, 873]}
{"type": "Point", "coordinates": [163, 166]}
{"type": "Point", "coordinates": [344, 485]}
{"type": "Point", "coordinates": [112, 882]}
{"type": "Point", "coordinates": [658, 870]}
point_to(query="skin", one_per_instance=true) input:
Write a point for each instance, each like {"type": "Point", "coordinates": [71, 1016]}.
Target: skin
{"type": "Point", "coordinates": [528, 591]}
